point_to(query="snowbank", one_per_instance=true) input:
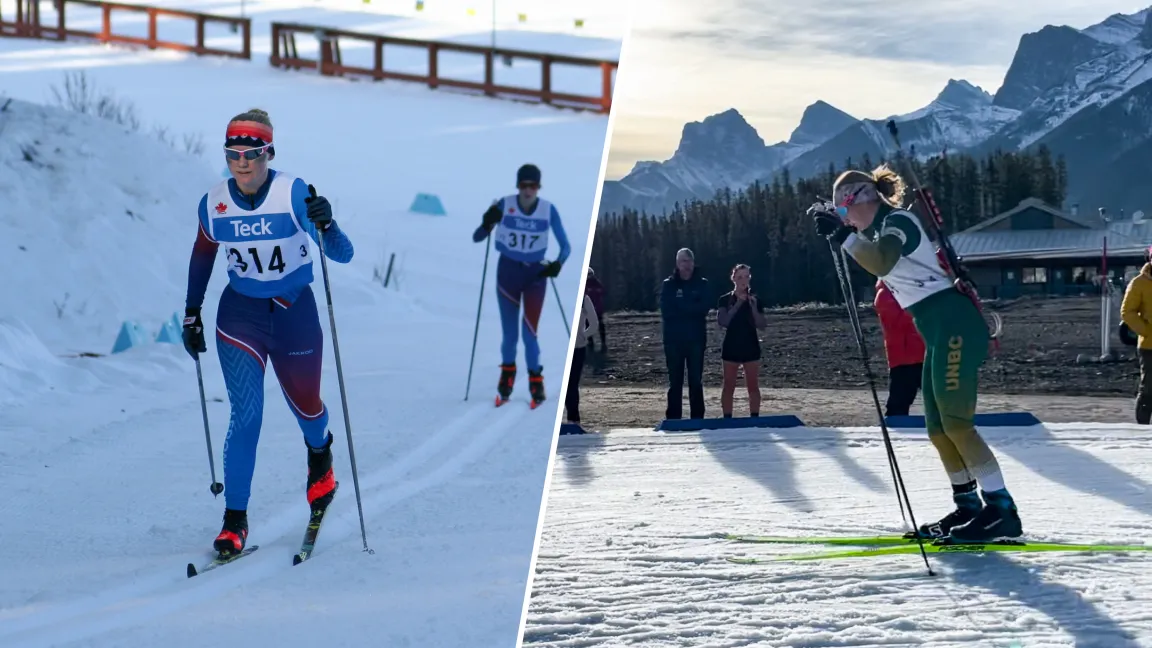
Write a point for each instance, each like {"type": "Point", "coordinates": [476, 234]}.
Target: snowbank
{"type": "Point", "coordinates": [96, 226]}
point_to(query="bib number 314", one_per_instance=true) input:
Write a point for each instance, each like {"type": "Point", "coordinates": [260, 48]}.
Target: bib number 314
{"type": "Point", "coordinates": [275, 261]}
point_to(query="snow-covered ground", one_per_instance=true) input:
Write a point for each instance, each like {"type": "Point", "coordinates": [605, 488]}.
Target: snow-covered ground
{"type": "Point", "coordinates": [625, 557]}
{"type": "Point", "coordinates": [103, 460]}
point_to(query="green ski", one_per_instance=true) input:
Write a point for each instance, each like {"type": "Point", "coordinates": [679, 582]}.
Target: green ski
{"type": "Point", "coordinates": [858, 541]}
{"type": "Point", "coordinates": [912, 548]}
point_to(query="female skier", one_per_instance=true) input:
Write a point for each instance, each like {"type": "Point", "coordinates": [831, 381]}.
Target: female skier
{"type": "Point", "coordinates": [522, 274]}
{"type": "Point", "coordinates": [891, 243]}
{"type": "Point", "coordinates": [264, 218]}
{"type": "Point", "coordinates": [741, 316]}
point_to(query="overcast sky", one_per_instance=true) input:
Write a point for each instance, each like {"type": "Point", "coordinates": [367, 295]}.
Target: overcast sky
{"type": "Point", "coordinates": [769, 59]}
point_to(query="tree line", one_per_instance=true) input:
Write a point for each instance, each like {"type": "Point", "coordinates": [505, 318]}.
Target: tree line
{"type": "Point", "coordinates": [764, 226]}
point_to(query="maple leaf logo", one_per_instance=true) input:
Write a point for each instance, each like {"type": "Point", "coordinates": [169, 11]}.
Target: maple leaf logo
{"type": "Point", "coordinates": [221, 208]}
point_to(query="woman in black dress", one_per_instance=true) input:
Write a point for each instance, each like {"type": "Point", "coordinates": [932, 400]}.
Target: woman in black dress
{"type": "Point", "coordinates": [741, 316]}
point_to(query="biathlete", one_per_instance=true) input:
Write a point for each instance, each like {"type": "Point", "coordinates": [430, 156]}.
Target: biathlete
{"type": "Point", "coordinates": [892, 244]}
{"type": "Point", "coordinates": [522, 223]}
{"type": "Point", "coordinates": [264, 219]}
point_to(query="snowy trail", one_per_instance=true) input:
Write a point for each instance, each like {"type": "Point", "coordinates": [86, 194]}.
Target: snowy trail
{"type": "Point", "coordinates": [441, 456]}
{"type": "Point", "coordinates": [625, 558]}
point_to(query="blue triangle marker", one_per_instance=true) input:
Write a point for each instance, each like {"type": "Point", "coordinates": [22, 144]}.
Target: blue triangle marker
{"type": "Point", "coordinates": [428, 204]}
{"type": "Point", "coordinates": [170, 334]}
{"type": "Point", "coordinates": [130, 335]}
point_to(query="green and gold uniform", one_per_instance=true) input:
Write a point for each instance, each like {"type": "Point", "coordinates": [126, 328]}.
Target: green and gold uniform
{"type": "Point", "coordinates": [898, 250]}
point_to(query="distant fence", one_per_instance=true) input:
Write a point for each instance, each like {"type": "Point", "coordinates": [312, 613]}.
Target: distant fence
{"type": "Point", "coordinates": [329, 62]}
{"type": "Point", "coordinates": [27, 24]}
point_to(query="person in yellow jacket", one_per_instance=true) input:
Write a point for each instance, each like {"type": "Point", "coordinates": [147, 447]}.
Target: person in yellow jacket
{"type": "Point", "coordinates": [1136, 313]}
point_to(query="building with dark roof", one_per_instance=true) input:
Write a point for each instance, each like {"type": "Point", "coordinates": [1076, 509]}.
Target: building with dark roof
{"type": "Point", "coordinates": [1037, 249]}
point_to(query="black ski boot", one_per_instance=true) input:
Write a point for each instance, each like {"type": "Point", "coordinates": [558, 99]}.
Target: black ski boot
{"type": "Point", "coordinates": [234, 535]}
{"type": "Point", "coordinates": [536, 386]}
{"type": "Point", "coordinates": [997, 522]}
{"type": "Point", "coordinates": [507, 380]}
{"type": "Point", "coordinates": [968, 506]}
{"type": "Point", "coordinates": [321, 480]}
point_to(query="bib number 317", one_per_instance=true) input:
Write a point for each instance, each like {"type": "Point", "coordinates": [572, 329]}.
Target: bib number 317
{"type": "Point", "coordinates": [275, 263]}
{"type": "Point", "coordinates": [522, 241]}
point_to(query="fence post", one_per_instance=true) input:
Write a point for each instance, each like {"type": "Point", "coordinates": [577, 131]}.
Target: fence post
{"type": "Point", "coordinates": [106, 28]}
{"type": "Point", "coordinates": [322, 41]}
{"type": "Point", "coordinates": [489, 72]}
{"type": "Point", "coordinates": [546, 79]}
{"type": "Point", "coordinates": [274, 59]}
{"type": "Point", "coordinates": [152, 29]}
{"type": "Point", "coordinates": [378, 60]}
{"type": "Point", "coordinates": [606, 86]}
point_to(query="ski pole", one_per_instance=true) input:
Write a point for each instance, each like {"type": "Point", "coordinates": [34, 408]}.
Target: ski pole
{"type": "Point", "coordinates": [340, 379]}
{"type": "Point", "coordinates": [858, 330]}
{"type": "Point", "coordinates": [476, 333]}
{"type": "Point", "coordinates": [560, 304]}
{"type": "Point", "coordinates": [216, 486]}
{"type": "Point", "coordinates": [841, 263]}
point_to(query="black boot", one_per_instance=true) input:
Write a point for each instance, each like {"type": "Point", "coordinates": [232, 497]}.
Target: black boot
{"type": "Point", "coordinates": [998, 521]}
{"type": "Point", "coordinates": [321, 479]}
{"type": "Point", "coordinates": [536, 385]}
{"type": "Point", "coordinates": [507, 381]}
{"type": "Point", "coordinates": [234, 535]}
{"type": "Point", "coordinates": [968, 506]}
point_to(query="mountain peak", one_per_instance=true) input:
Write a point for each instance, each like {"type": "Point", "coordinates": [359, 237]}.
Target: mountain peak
{"type": "Point", "coordinates": [820, 122]}
{"type": "Point", "coordinates": [725, 130]}
{"type": "Point", "coordinates": [1145, 35]}
{"type": "Point", "coordinates": [1046, 59]}
{"type": "Point", "coordinates": [1119, 28]}
{"type": "Point", "coordinates": [962, 94]}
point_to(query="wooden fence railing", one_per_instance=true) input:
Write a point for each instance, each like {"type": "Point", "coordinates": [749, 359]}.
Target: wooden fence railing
{"type": "Point", "coordinates": [27, 24]}
{"type": "Point", "coordinates": [285, 54]}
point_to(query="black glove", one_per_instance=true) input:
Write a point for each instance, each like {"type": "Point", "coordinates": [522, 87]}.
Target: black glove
{"type": "Point", "coordinates": [319, 209]}
{"type": "Point", "coordinates": [492, 216]}
{"type": "Point", "coordinates": [193, 333]}
{"type": "Point", "coordinates": [551, 269]}
{"type": "Point", "coordinates": [828, 223]}
{"type": "Point", "coordinates": [1126, 335]}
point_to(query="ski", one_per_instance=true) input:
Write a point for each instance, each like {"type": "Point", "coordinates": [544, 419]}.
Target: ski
{"type": "Point", "coordinates": [852, 541]}
{"type": "Point", "coordinates": [315, 520]}
{"type": "Point", "coordinates": [219, 561]}
{"type": "Point", "coordinates": [1003, 546]}
{"type": "Point", "coordinates": [532, 404]}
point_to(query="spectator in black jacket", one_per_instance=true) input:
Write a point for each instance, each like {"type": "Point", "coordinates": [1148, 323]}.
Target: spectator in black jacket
{"type": "Point", "coordinates": [684, 305]}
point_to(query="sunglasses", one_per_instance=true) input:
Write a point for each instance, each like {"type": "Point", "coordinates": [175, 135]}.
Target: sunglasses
{"type": "Point", "coordinates": [529, 185]}
{"type": "Point", "coordinates": [849, 200]}
{"type": "Point", "coordinates": [249, 154]}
